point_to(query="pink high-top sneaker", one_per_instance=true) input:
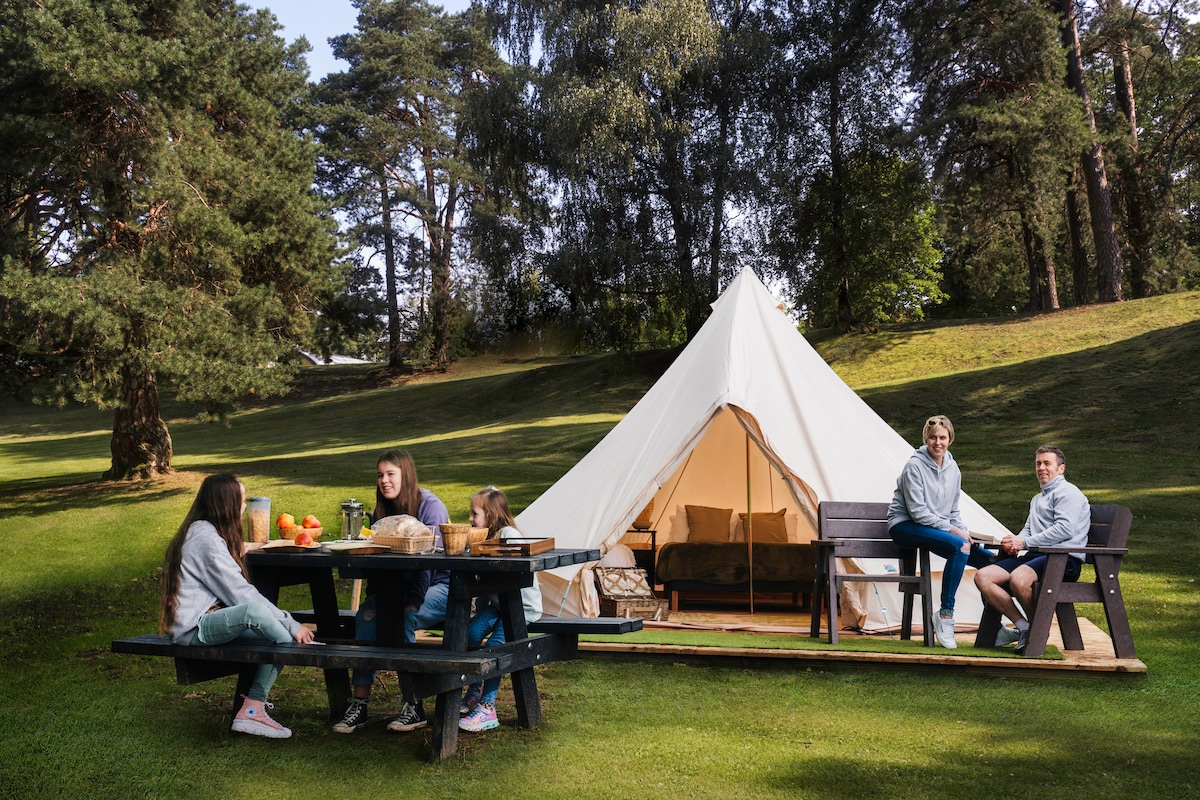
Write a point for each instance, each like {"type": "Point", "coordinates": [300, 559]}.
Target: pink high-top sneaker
{"type": "Point", "coordinates": [254, 719]}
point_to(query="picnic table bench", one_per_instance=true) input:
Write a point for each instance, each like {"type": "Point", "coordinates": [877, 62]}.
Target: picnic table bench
{"type": "Point", "coordinates": [433, 669]}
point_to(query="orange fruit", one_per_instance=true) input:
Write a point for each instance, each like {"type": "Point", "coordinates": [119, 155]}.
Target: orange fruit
{"type": "Point", "coordinates": [285, 521]}
{"type": "Point", "coordinates": [310, 522]}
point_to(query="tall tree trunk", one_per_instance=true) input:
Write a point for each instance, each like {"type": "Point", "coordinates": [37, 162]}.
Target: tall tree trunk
{"type": "Point", "coordinates": [837, 172]}
{"type": "Point", "coordinates": [1137, 218]}
{"type": "Point", "coordinates": [395, 351]}
{"type": "Point", "coordinates": [141, 444]}
{"type": "Point", "coordinates": [720, 179]}
{"type": "Point", "coordinates": [441, 243]}
{"type": "Point", "coordinates": [1079, 260]}
{"type": "Point", "coordinates": [1109, 267]}
{"type": "Point", "coordinates": [1043, 282]}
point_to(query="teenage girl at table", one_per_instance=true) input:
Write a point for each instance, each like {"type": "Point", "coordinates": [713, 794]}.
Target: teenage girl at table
{"type": "Point", "coordinates": [426, 591]}
{"type": "Point", "coordinates": [207, 597]}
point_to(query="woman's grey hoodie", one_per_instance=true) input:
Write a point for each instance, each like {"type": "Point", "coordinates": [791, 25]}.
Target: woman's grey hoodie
{"type": "Point", "coordinates": [926, 493]}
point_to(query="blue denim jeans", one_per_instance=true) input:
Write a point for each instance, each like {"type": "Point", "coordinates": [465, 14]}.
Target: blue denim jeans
{"type": "Point", "coordinates": [486, 624]}
{"type": "Point", "coordinates": [253, 621]}
{"type": "Point", "coordinates": [432, 612]}
{"type": "Point", "coordinates": [947, 545]}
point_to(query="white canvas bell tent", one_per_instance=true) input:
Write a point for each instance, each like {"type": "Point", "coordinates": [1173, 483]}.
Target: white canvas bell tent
{"type": "Point", "coordinates": [748, 414]}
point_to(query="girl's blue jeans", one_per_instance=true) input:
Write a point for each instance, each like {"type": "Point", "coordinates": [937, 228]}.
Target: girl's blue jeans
{"type": "Point", "coordinates": [254, 621]}
{"type": "Point", "coordinates": [486, 624]}
{"type": "Point", "coordinates": [947, 545]}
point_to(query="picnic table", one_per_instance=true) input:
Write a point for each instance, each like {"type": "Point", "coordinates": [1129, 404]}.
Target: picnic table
{"type": "Point", "coordinates": [470, 576]}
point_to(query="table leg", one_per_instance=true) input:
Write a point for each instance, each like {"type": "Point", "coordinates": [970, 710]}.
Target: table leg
{"type": "Point", "coordinates": [443, 726]}
{"type": "Point", "coordinates": [525, 691]}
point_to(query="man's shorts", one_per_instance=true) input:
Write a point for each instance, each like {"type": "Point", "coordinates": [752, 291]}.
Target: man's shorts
{"type": "Point", "coordinates": [1038, 564]}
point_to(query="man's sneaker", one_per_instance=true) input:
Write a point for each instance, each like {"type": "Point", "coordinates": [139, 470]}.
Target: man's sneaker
{"type": "Point", "coordinates": [354, 718]}
{"type": "Point", "coordinates": [470, 700]}
{"type": "Point", "coordinates": [253, 719]}
{"type": "Point", "coordinates": [943, 629]}
{"type": "Point", "coordinates": [412, 716]}
{"type": "Point", "coordinates": [483, 718]}
{"type": "Point", "coordinates": [1022, 641]}
{"type": "Point", "coordinates": [1006, 636]}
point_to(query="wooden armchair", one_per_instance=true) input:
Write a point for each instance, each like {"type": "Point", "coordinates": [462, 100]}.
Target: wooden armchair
{"type": "Point", "coordinates": [1106, 548]}
{"type": "Point", "coordinates": [859, 530]}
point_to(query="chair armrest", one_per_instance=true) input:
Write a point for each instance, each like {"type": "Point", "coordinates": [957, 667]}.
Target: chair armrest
{"type": "Point", "coordinates": [1091, 551]}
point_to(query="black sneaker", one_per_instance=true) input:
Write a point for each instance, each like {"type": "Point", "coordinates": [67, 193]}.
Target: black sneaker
{"type": "Point", "coordinates": [412, 716]}
{"type": "Point", "coordinates": [355, 716]}
{"type": "Point", "coordinates": [1022, 641]}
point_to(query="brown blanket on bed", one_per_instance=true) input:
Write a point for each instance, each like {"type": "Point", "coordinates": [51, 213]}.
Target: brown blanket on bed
{"type": "Point", "coordinates": [727, 563]}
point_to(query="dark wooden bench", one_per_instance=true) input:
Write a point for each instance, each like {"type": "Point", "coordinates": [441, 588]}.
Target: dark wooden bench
{"type": "Point", "coordinates": [345, 623]}
{"type": "Point", "coordinates": [433, 671]}
{"type": "Point", "coordinates": [1053, 596]}
{"type": "Point", "coordinates": [859, 530]}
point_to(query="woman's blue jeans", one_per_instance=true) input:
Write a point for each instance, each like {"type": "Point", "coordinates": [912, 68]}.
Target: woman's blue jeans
{"type": "Point", "coordinates": [432, 612]}
{"type": "Point", "coordinates": [254, 621]}
{"type": "Point", "coordinates": [947, 545]}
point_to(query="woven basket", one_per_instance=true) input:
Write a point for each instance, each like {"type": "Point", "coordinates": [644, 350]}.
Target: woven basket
{"type": "Point", "coordinates": [477, 536]}
{"type": "Point", "coordinates": [290, 533]}
{"type": "Point", "coordinates": [455, 543]}
{"type": "Point", "coordinates": [397, 543]}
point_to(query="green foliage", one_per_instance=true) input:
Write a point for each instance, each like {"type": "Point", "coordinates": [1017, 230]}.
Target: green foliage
{"type": "Point", "coordinates": [158, 222]}
{"type": "Point", "coordinates": [891, 265]}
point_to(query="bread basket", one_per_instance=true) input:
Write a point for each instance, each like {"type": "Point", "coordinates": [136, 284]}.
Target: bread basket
{"type": "Point", "coordinates": [405, 542]}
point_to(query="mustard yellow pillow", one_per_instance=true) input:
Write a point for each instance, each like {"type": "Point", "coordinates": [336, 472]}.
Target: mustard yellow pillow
{"type": "Point", "coordinates": [708, 524]}
{"type": "Point", "coordinates": [769, 526]}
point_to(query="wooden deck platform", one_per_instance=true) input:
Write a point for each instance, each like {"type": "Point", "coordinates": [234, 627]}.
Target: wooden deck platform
{"type": "Point", "coordinates": [1095, 660]}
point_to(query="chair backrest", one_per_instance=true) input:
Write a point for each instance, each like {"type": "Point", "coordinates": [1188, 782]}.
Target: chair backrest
{"type": "Point", "coordinates": [1110, 526]}
{"type": "Point", "coordinates": [842, 520]}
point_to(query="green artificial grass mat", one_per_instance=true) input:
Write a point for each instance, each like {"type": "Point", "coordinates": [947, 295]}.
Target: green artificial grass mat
{"type": "Point", "coordinates": [769, 641]}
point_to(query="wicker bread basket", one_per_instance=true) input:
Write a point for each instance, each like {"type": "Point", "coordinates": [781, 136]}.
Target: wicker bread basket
{"type": "Point", "coordinates": [405, 543]}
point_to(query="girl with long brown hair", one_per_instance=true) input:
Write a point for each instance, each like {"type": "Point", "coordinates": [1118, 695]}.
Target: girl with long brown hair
{"type": "Point", "coordinates": [207, 597]}
{"type": "Point", "coordinates": [425, 594]}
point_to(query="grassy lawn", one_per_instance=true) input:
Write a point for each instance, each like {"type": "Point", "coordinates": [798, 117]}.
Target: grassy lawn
{"type": "Point", "coordinates": [1117, 387]}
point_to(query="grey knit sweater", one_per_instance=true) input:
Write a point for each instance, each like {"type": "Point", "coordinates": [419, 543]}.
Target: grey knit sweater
{"type": "Point", "coordinates": [208, 576]}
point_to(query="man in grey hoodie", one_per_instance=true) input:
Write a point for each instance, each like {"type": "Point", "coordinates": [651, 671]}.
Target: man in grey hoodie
{"type": "Point", "coordinates": [1058, 515]}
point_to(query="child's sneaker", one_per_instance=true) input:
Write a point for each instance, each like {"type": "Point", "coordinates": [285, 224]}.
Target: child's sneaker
{"type": "Point", "coordinates": [253, 719]}
{"type": "Point", "coordinates": [482, 718]}
{"type": "Point", "coordinates": [470, 700]}
{"type": "Point", "coordinates": [412, 716]}
{"type": "Point", "coordinates": [354, 718]}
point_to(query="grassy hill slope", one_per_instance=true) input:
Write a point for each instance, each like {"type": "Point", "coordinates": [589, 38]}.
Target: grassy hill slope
{"type": "Point", "coordinates": [1116, 386]}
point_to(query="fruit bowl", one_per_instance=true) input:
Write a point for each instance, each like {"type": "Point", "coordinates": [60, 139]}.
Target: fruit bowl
{"type": "Point", "coordinates": [290, 533]}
